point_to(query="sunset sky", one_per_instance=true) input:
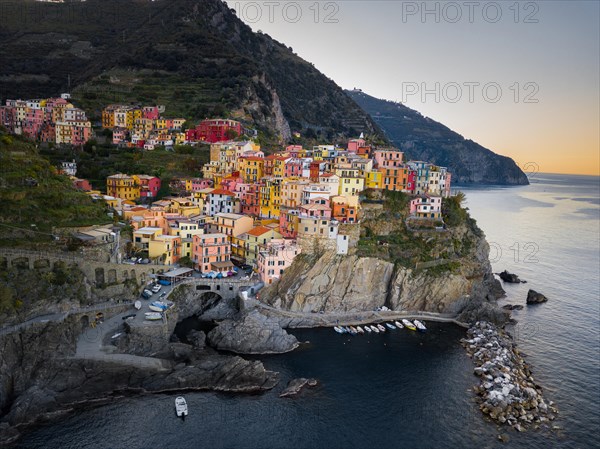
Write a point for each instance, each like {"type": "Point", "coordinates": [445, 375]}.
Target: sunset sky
{"type": "Point", "coordinates": [389, 49]}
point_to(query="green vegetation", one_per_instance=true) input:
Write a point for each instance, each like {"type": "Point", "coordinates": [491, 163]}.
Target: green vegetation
{"type": "Point", "coordinates": [35, 198]}
{"type": "Point", "coordinates": [97, 161]}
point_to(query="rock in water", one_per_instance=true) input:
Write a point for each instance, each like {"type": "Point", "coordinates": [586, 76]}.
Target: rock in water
{"type": "Point", "coordinates": [512, 307]}
{"type": "Point", "coordinates": [254, 333]}
{"type": "Point", "coordinates": [534, 297]}
{"type": "Point", "coordinates": [295, 385]}
{"type": "Point", "coordinates": [509, 277]}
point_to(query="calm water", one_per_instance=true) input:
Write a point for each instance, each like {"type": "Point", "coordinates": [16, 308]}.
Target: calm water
{"type": "Point", "coordinates": [405, 389]}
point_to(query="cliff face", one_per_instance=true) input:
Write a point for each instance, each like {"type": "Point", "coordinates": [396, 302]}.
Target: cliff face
{"type": "Point", "coordinates": [427, 140]}
{"type": "Point", "coordinates": [333, 283]}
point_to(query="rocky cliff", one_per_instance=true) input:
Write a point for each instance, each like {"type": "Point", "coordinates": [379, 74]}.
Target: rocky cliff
{"type": "Point", "coordinates": [457, 278]}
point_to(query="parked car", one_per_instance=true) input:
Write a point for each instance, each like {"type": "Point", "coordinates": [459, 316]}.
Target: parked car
{"type": "Point", "coordinates": [163, 282]}
{"type": "Point", "coordinates": [146, 294]}
{"type": "Point", "coordinates": [156, 288]}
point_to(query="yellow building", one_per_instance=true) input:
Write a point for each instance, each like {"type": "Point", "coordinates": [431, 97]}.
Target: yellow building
{"type": "Point", "coordinates": [251, 168]}
{"type": "Point", "coordinates": [373, 180]}
{"type": "Point", "coordinates": [165, 248]}
{"type": "Point", "coordinates": [143, 236]}
{"type": "Point", "coordinates": [270, 197]}
{"type": "Point", "coordinates": [233, 225]}
{"type": "Point", "coordinates": [291, 192]}
{"type": "Point", "coordinates": [122, 186]}
{"type": "Point", "coordinates": [185, 230]}
{"type": "Point", "coordinates": [257, 237]}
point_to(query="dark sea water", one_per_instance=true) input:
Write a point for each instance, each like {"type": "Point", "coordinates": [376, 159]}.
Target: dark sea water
{"type": "Point", "coordinates": [404, 389]}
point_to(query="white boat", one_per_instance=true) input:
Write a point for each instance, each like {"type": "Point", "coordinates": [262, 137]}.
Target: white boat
{"type": "Point", "coordinates": [339, 330]}
{"type": "Point", "coordinates": [381, 328]}
{"type": "Point", "coordinates": [390, 326]}
{"type": "Point", "coordinates": [398, 324]}
{"type": "Point", "coordinates": [375, 329]}
{"type": "Point", "coordinates": [420, 326]}
{"type": "Point", "coordinates": [360, 330]}
{"type": "Point", "coordinates": [137, 305]}
{"type": "Point", "coordinates": [408, 324]}
{"type": "Point", "coordinates": [181, 407]}
{"type": "Point", "coordinates": [368, 328]}
{"type": "Point", "coordinates": [116, 335]}
{"type": "Point", "coordinates": [353, 329]}
{"type": "Point", "coordinates": [153, 316]}
{"type": "Point", "coordinates": [158, 306]}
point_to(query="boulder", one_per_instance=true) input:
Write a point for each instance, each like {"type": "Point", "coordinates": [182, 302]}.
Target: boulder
{"type": "Point", "coordinates": [295, 385]}
{"type": "Point", "coordinates": [512, 307]}
{"type": "Point", "coordinates": [509, 277]}
{"type": "Point", "coordinates": [534, 297]}
{"type": "Point", "coordinates": [253, 333]}
{"type": "Point", "coordinates": [196, 338]}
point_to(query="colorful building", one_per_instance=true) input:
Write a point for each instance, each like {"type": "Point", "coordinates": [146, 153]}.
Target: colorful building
{"type": "Point", "coordinates": [275, 257]}
{"type": "Point", "coordinates": [212, 252]}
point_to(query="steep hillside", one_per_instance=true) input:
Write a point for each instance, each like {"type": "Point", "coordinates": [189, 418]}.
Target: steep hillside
{"type": "Point", "coordinates": [425, 139]}
{"type": "Point", "coordinates": [197, 58]}
{"type": "Point", "coordinates": [35, 198]}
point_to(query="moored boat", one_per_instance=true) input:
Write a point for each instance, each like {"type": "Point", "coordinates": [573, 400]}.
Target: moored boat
{"type": "Point", "coordinates": [420, 326]}
{"type": "Point", "coordinates": [137, 305]}
{"type": "Point", "coordinates": [339, 330]}
{"type": "Point", "coordinates": [368, 328]}
{"type": "Point", "coordinates": [360, 330]}
{"type": "Point", "coordinates": [153, 316]}
{"type": "Point", "coordinates": [381, 328]}
{"type": "Point", "coordinates": [375, 329]}
{"type": "Point", "coordinates": [390, 326]}
{"type": "Point", "coordinates": [353, 329]}
{"type": "Point", "coordinates": [398, 324]}
{"type": "Point", "coordinates": [181, 407]}
{"type": "Point", "coordinates": [408, 324]}
{"type": "Point", "coordinates": [158, 306]}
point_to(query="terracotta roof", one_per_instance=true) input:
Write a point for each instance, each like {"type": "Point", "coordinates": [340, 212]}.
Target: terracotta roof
{"type": "Point", "coordinates": [222, 192]}
{"type": "Point", "coordinates": [258, 231]}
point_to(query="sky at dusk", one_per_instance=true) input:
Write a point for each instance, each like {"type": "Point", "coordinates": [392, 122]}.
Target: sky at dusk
{"type": "Point", "coordinates": [520, 78]}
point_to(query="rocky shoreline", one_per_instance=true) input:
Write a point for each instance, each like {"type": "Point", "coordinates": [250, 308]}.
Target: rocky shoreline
{"type": "Point", "coordinates": [507, 392]}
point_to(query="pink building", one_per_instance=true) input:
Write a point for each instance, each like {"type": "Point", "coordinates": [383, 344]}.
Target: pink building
{"type": "Point", "coordinates": [249, 195]}
{"type": "Point", "coordinates": [355, 144]}
{"type": "Point", "coordinates": [120, 135]}
{"type": "Point", "coordinates": [212, 252]}
{"type": "Point", "coordinates": [82, 184]}
{"type": "Point", "coordinates": [230, 182]}
{"type": "Point", "coordinates": [276, 256]}
{"type": "Point", "coordinates": [149, 185]}
{"type": "Point", "coordinates": [150, 112]}
{"type": "Point", "coordinates": [288, 222]}
{"type": "Point", "coordinates": [293, 167]}
{"type": "Point", "coordinates": [294, 150]}
{"type": "Point", "coordinates": [388, 158]}
{"type": "Point", "coordinates": [426, 206]}
{"type": "Point", "coordinates": [201, 184]}
{"type": "Point", "coordinates": [317, 208]}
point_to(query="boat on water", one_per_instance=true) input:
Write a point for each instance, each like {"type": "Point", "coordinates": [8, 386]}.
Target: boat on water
{"type": "Point", "coordinates": [390, 326]}
{"type": "Point", "coordinates": [368, 328]}
{"type": "Point", "coordinates": [181, 407]}
{"type": "Point", "coordinates": [375, 329]}
{"type": "Point", "coordinates": [137, 305]}
{"type": "Point", "coordinates": [420, 326]}
{"type": "Point", "coordinates": [398, 324]}
{"type": "Point", "coordinates": [381, 328]}
{"type": "Point", "coordinates": [353, 329]}
{"type": "Point", "coordinates": [339, 330]}
{"type": "Point", "coordinates": [153, 316]}
{"type": "Point", "coordinates": [360, 330]}
{"type": "Point", "coordinates": [408, 324]}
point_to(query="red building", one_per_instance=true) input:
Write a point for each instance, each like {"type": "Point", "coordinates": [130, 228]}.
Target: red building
{"type": "Point", "coordinates": [149, 185]}
{"type": "Point", "coordinates": [82, 184]}
{"type": "Point", "coordinates": [214, 130]}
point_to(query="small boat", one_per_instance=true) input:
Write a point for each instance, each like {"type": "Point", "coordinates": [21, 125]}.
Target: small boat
{"type": "Point", "coordinates": [398, 324]}
{"type": "Point", "coordinates": [360, 330]}
{"type": "Point", "coordinates": [339, 330]}
{"type": "Point", "coordinates": [368, 328]}
{"type": "Point", "coordinates": [153, 316]}
{"type": "Point", "coordinates": [158, 306]}
{"type": "Point", "coordinates": [375, 329]}
{"type": "Point", "coordinates": [408, 324]}
{"type": "Point", "coordinates": [390, 326]}
{"type": "Point", "coordinates": [420, 326]}
{"type": "Point", "coordinates": [181, 407]}
{"type": "Point", "coordinates": [137, 305]}
{"type": "Point", "coordinates": [381, 328]}
{"type": "Point", "coordinates": [353, 329]}
{"type": "Point", "coordinates": [116, 335]}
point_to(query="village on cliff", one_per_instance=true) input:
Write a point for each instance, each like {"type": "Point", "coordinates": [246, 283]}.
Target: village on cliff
{"type": "Point", "coordinates": [249, 209]}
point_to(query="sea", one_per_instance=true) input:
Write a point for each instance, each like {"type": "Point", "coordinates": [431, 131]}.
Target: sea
{"type": "Point", "coordinates": [406, 389]}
